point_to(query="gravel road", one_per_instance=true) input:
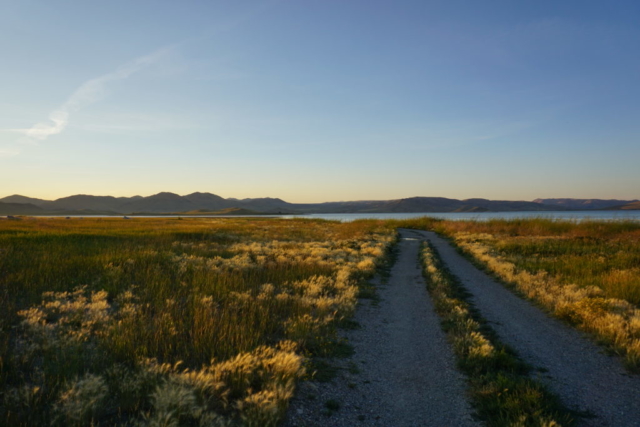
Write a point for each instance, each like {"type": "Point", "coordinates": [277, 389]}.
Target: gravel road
{"type": "Point", "coordinates": [574, 368]}
{"type": "Point", "coordinates": [403, 371]}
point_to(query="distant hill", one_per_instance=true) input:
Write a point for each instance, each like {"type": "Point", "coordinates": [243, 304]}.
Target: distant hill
{"type": "Point", "coordinates": [421, 204]}
{"type": "Point", "coordinates": [425, 204]}
{"type": "Point", "coordinates": [199, 203]}
{"type": "Point", "coordinates": [633, 206]}
{"type": "Point", "coordinates": [16, 198]}
{"type": "Point", "coordinates": [30, 209]}
{"type": "Point", "coordinates": [20, 209]}
{"type": "Point", "coordinates": [227, 211]}
{"type": "Point", "coordinates": [511, 206]}
{"type": "Point", "coordinates": [83, 201]}
{"type": "Point", "coordinates": [208, 201]}
{"type": "Point", "coordinates": [584, 204]}
{"type": "Point", "coordinates": [266, 204]}
{"type": "Point", "coordinates": [161, 202]}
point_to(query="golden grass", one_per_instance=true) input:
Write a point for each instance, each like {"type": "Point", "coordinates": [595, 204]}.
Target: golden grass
{"type": "Point", "coordinates": [170, 322]}
{"type": "Point", "coordinates": [586, 273]}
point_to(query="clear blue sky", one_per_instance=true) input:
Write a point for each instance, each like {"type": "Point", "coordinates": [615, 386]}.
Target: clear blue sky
{"type": "Point", "coordinates": [326, 100]}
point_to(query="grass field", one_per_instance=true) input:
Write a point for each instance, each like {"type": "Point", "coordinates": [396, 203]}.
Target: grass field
{"type": "Point", "coordinates": [162, 322]}
{"type": "Point", "coordinates": [587, 273]}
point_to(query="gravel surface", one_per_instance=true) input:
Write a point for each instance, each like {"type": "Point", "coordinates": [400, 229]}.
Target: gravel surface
{"type": "Point", "coordinates": [403, 371]}
{"type": "Point", "coordinates": [571, 365]}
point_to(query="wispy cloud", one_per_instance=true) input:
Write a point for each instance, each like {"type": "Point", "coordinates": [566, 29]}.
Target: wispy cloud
{"type": "Point", "coordinates": [4, 153]}
{"type": "Point", "coordinates": [88, 93]}
{"type": "Point", "coordinates": [125, 122]}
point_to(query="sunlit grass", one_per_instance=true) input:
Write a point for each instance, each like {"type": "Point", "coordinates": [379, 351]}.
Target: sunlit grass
{"type": "Point", "coordinates": [165, 321]}
{"type": "Point", "coordinates": [587, 273]}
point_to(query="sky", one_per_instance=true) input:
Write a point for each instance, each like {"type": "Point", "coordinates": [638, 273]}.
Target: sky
{"type": "Point", "coordinates": [314, 101]}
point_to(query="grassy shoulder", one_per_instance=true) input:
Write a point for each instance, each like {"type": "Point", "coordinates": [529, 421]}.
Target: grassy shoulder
{"type": "Point", "coordinates": [171, 322]}
{"type": "Point", "coordinates": [323, 364]}
{"type": "Point", "coordinates": [501, 391]}
{"type": "Point", "coordinates": [584, 273]}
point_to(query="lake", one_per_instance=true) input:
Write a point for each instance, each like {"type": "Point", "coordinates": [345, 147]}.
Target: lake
{"type": "Point", "coordinates": [477, 216]}
{"type": "Point", "coordinates": [482, 216]}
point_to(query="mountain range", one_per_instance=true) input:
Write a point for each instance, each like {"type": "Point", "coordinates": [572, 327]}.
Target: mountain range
{"type": "Point", "coordinates": [207, 203]}
{"type": "Point", "coordinates": [586, 204]}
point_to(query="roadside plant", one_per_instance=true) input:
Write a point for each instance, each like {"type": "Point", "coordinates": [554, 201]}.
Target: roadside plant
{"type": "Point", "coordinates": [613, 322]}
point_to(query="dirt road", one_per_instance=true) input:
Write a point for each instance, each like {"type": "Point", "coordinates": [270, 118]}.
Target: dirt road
{"type": "Point", "coordinates": [403, 371]}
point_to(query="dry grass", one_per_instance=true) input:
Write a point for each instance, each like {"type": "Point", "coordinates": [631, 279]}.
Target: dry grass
{"type": "Point", "coordinates": [170, 322]}
{"type": "Point", "coordinates": [586, 273]}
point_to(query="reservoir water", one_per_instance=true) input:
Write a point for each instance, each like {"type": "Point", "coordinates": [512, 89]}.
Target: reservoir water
{"type": "Point", "coordinates": [483, 216]}
{"type": "Point", "coordinates": [476, 216]}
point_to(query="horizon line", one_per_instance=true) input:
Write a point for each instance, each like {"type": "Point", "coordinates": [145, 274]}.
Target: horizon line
{"type": "Point", "coordinates": [331, 201]}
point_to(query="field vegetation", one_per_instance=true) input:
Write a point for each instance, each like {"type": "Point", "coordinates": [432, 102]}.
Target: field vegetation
{"type": "Point", "coordinates": [166, 322]}
{"type": "Point", "coordinates": [499, 383]}
{"type": "Point", "coordinates": [587, 273]}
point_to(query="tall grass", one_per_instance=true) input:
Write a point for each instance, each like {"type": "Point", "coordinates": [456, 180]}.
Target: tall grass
{"type": "Point", "coordinates": [587, 273]}
{"type": "Point", "coordinates": [166, 321]}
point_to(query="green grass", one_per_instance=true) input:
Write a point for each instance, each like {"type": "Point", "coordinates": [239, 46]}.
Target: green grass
{"type": "Point", "coordinates": [107, 321]}
{"type": "Point", "coordinates": [605, 254]}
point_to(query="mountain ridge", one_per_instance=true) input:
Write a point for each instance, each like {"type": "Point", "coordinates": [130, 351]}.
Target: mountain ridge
{"type": "Point", "coordinates": [633, 206]}
{"type": "Point", "coordinates": [167, 202]}
{"type": "Point", "coordinates": [585, 204]}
